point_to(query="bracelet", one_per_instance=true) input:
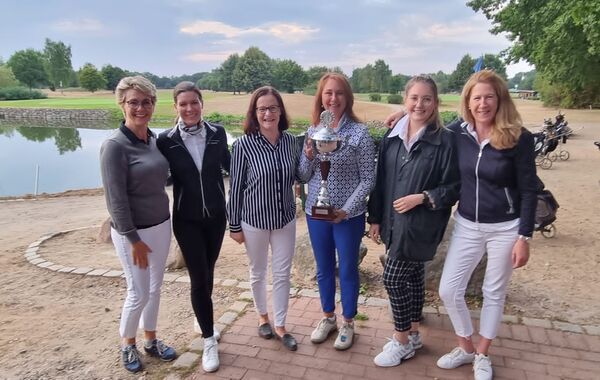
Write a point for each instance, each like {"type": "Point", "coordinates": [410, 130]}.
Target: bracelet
{"type": "Point", "coordinates": [524, 238]}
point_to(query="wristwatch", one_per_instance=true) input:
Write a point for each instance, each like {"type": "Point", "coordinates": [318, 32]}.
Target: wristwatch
{"type": "Point", "coordinates": [525, 238]}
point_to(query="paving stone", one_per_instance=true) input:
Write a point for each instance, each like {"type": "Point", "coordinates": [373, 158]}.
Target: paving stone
{"type": "Point", "coordinates": [362, 300]}
{"type": "Point", "coordinates": [97, 272]}
{"type": "Point", "coordinates": [244, 285]}
{"type": "Point", "coordinates": [510, 319]}
{"type": "Point", "coordinates": [592, 330]}
{"type": "Point", "coordinates": [34, 257]}
{"type": "Point", "coordinates": [373, 301]}
{"type": "Point", "coordinates": [32, 250]}
{"type": "Point", "coordinates": [294, 291]}
{"type": "Point", "coordinates": [228, 318]}
{"type": "Point", "coordinates": [113, 273]}
{"type": "Point", "coordinates": [197, 344]}
{"type": "Point", "coordinates": [238, 306]}
{"type": "Point", "coordinates": [570, 327]}
{"type": "Point", "coordinates": [172, 376]}
{"type": "Point", "coordinates": [66, 270]}
{"type": "Point", "coordinates": [45, 264]}
{"type": "Point", "coordinates": [170, 277]}
{"type": "Point", "coordinates": [217, 281]}
{"type": "Point", "coordinates": [246, 296]}
{"type": "Point", "coordinates": [82, 270]}
{"type": "Point", "coordinates": [35, 244]}
{"type": "Point", "coordinates": [37, 261]}
{"type": "Point", "coordinates": [536, 322]}
{"type": "Point", "coordinates": [442, 310]}
{"type": "Point", "coordinates": [430, 310]}
{"type": "Point", "coordinates": [475, 314]}
{"type": "Point", "coordinates": [183, 279]}
{"type": "Point", "coordinates": [55, 267]}
{"type": "Point", "coordinates": [229, 282]}
{"type": "Point", "coordinates": [309, 293]}
{"type": "Point", "coordinates": [186, 360]}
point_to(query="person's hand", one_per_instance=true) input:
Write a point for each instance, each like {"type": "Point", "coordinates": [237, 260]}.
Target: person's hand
{"type": "Point", "coordinates": [340, 215]}
{"type": "Point", "coordinates": [520, 253]}
{"type": "Point", "coordinates": [309, 151]}
{"type": "Point", "coordinates": [374, 233]}
{"type": "Point", "coordinates": [392, 119]}
{"type": "Point", "coordinates": [140, 251]}
{"type": "Point", "coordinates": [237, 236]}
{"type": "Point", "coordinates": [407, 203]}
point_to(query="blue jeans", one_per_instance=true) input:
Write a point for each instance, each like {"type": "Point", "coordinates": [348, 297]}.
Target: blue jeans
{"type": "Point", "coordinates": [325, 238]}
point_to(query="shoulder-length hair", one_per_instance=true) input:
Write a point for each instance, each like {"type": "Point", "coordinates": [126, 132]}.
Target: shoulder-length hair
{"type": "Point", "coordinates": [506, 129]}
{"type": "Point", "coordinates": [318, 104]}
{"type": "Point", "coordinates": [435, 118]}
{"type": "Point", "coordinates": [251, 124]}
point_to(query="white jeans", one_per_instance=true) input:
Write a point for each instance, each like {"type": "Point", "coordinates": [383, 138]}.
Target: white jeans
{"type": "Point", "coordinates": [143, 285]}
{"type": "Point", "coordinates": [283, 244]}
{"type": "Point", "coordinates": [468, 244]}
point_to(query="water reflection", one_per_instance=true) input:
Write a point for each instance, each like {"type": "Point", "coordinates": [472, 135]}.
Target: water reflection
{"type": "Point", "coordinates": [65, 139]}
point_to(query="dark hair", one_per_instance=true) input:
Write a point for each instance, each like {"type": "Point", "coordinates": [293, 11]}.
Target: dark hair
{"type": "Point", "coordinates": [318, 105]}
{"type": "Point", "coordinates": [426, 79]}
{"type": "Point", "coordinates": [251, 124]}
{"type": "Point", "coordinates": [186, 86]}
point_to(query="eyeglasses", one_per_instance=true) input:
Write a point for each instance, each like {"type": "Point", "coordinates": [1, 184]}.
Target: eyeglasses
{"type": "Point", "coordinates": [135, 104]}
{"type": "Point", "coordinates": [263, 110]}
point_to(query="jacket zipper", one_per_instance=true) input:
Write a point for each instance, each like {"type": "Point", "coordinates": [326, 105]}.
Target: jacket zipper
{"type": "Point", "coordinates": [511, 207]}
{"type": "Point", "coordinates": [477, 184]}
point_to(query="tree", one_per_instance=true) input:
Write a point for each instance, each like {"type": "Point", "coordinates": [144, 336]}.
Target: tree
{"type": "Point", "coordinates": [381, 76]}
{"type": "Point", "coordinates": [288, 75]}
{"type": "Point", "coordinates": [441, 80]}
{"type": "Point", "coordinates": [57, 63]}
{"type": "Point", "coordinates": [253, 70]}
{"type": "Point", "coordinates": [226, 73]}
{"type": "Point", "coordinates": [463, 71]}
{"type": "Point", "coordinates": [523, 81]}
{"type": "Point", "coordinates": [113, 75]}
{"type": "Point", "coordinates": [28, 67]}
{"type": "Point", "coordinates": [90, 78]}
{"type": "Point", "coordinates": [7, 78]}
{"type": "Point", "coordinates": [561, 38]}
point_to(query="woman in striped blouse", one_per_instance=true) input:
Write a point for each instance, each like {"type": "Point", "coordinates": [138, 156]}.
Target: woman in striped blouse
{"type": "Point", "coordinates": [351, 178]}
{"type": "Point", "coordinates": [262, 207]}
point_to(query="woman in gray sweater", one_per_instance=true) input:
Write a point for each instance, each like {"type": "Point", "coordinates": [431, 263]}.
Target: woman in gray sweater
{"type": "Point", "coordinates": [134, 173]}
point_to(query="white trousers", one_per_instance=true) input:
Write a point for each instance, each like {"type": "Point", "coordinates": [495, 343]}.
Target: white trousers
{"type": "Point", "coordinates": [143, 285]}
{"type": "Point", "coordinates": [283, 244]}
{"type": "Point", "coordinates": [467, 247]}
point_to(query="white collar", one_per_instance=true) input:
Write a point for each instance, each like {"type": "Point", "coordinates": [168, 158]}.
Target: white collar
{"type": "Point", "coordinates": [400, 127]}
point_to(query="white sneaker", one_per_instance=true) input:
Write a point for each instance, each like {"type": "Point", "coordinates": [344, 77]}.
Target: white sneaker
{"type": "Point", "coordinates": [393, 353]}
{"type": "Point", "coordinates": [415, 339]}
{"type": "Point", "coordinates": [482, 367]}
{"type": "Point", "coordinates": [325, 327]}
{"type": "Point", "coordinates": [210, 355]}
{"type": "Point", "coordinates": [198, 330]}
{"type": "Point", "coordinates": [455, 359]}
{"type": "Point", "coordinates": [345, 337]}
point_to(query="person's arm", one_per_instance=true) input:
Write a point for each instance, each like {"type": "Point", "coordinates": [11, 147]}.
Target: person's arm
{"type": "Point", "coordinates": [237, 178]}
{"type": "Point", "coordinates": [393, 118]}
{"type": "Point", "coordinates": [308, 163]}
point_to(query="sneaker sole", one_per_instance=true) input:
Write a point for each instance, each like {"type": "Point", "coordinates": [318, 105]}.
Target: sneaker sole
{"type": "Point", "coordinates": [323, 340]}
{"type": "Point", "coordinates": [412, 354]}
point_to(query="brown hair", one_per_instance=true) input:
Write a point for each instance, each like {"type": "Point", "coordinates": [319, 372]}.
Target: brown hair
{"type": "Point", "coordinates": [186, 86]}
{"type": "Point", "coordinates": [318, 104]}
{"type": "Point", "coordinates": [506, 129]}
{"type": "Point", "coordinates": [251, 124]}
{"type": "Point", "coordinates": [426, 79]}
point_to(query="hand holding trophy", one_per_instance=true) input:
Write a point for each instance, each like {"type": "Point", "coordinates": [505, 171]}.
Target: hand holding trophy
{"type": "Point", "coordinates": [325, 142]}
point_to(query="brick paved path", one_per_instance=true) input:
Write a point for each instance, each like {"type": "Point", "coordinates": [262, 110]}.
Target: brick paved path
{"type": "Point", "coordinates": [519, 352]}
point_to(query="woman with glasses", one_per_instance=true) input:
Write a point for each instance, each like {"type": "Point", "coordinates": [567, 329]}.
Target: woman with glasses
{"type": "Point", "coordinates": [197, 153]}
{"type": "Point", "coordinates": [417, 184]}
{"type": "Point", "coordinates": [262, 206]}
{"type": "Point", "coordinates": [134, 173]}
{"type": "Point", "coordinates": [351, 178]}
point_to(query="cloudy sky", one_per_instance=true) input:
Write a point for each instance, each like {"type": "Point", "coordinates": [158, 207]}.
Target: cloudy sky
{"type": "Point", "coordinates": [174, 37]}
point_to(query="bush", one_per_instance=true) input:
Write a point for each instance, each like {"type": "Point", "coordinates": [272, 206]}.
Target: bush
{"type": "Point", "coordinates": [224, 119]}
{"type": "Point", "coordinates": [20, 93]}
{"type": "Point", "coordinates": [448, 116]}
{"type": "Point", "coordinates": [375, 97]}
{"type": "Point", "coordinates": [395, 99]}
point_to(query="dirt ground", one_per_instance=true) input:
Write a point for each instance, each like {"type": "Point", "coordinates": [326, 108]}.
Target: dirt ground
{"type": "Point", "coordinates": [55, 325]}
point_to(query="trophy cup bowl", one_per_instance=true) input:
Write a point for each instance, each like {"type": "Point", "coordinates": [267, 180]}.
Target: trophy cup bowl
{"type": "Point", "coordinates": [326, 142]}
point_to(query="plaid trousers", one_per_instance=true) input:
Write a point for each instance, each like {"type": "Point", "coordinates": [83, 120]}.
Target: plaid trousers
{"type": "Point", "coordinates": [405, 284]}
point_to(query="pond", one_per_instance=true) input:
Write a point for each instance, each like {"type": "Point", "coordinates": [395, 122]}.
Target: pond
{"type": "Point", "coordinates": [66, 158]}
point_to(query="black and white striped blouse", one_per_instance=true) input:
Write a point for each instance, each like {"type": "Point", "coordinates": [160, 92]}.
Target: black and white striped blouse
{"type": "Point", "coordinates": [262, 179]}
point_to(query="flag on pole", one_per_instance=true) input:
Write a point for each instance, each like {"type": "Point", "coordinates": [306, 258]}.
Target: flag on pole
{"type": "Point", "coordinates": [478, 65]}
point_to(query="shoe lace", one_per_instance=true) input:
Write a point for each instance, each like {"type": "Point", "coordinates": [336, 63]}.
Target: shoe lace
{"type": "Point", "coordinates": [456, 352]}
{"type": "Point", "coordinates": [483, 364]}
{"type": "Point", "coordinates": [210, 348]}
{"type": "Point", "coordinates": [133, 354]}
{"type": "Point", "coordinates": [161, 347]}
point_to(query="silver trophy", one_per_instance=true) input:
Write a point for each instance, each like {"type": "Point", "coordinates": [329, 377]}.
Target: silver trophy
{"type": "Point", "coordinates": [326, 142]}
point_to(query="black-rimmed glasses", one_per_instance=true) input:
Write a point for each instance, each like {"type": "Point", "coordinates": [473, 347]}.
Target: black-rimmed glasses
{"type": "Point", "coordinates": [263, 110]}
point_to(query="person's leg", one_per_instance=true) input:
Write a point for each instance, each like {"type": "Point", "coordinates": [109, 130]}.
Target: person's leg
{"type": "Point", "coordinates": [257, 249]}
{"type": "Point", "coordinates": [396, 275]}
{"type": "Point", "coordinates": [464, 253]}
{"type": "Point", "coordinates": [497, 276]}
{"type": "Point", "coordinates": [138, 285]}
{"type": "Point", "coordinates": [321, 239]}
{"type": "Point", "coordinates": [347, 236]}
{"type": "Point", "coordinates": [282, 247]}
{"type": "Point", "coordinates": [416, 287]}
{"type": "Point", "coordinates": [158, 238]}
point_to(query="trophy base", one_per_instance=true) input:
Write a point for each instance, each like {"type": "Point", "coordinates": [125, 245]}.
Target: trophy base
{"type": "Point", "coordinates": [323, 213]}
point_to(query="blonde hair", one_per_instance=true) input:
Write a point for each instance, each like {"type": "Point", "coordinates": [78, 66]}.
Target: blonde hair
{"type": "Point", "coordinates": [137, 82]}
{"type": "Point", "coordinates": [426, 79]}
{"type": "Point", "coordinates": [318, 104]}
{"type": "Point", "coordinates": [507, 125]}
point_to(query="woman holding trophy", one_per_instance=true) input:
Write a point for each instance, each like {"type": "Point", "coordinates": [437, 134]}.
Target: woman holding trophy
{"type": "Point", "coordinates": [339, 166]}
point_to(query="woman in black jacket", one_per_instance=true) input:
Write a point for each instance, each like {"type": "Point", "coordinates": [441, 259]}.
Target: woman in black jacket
{"type": "Point", "coordinates": [417, 184]}
{"type": "Point", "coordinates": [197, 152]}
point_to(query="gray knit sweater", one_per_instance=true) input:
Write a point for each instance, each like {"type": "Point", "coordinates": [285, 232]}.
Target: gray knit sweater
{"type": "Point", "coordinates": [134, 175]}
